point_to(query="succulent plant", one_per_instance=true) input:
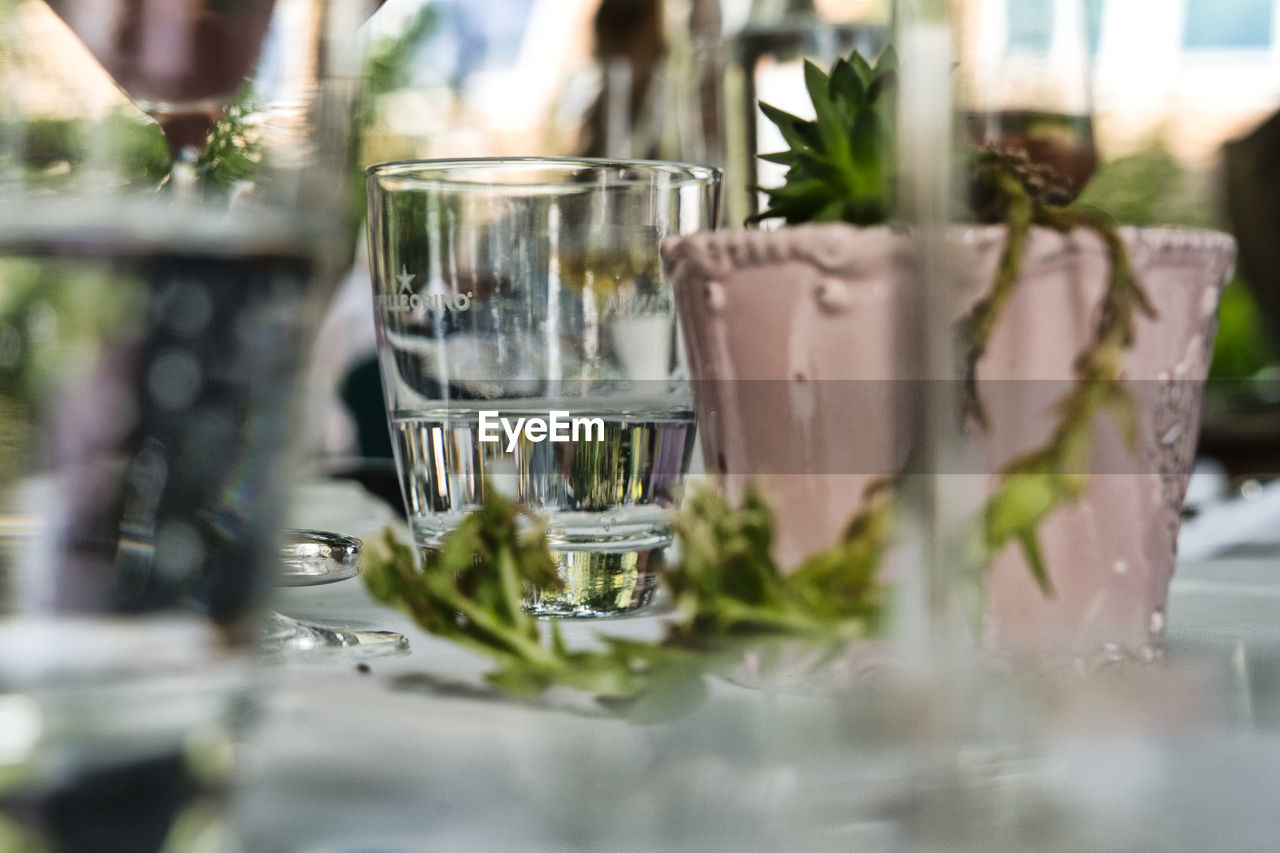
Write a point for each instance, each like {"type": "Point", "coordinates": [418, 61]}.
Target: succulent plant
{"type": "Point", "coordinates": [840, 168]}
{"type": "Point", "coordinates": [840, 164]}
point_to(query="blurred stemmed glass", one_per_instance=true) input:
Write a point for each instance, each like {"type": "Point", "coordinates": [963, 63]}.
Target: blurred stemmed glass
{"type": "Point", "coordinates": [182, 63]}
{"type": "Point", "coordinates": [232, 80]}
{"type": "Point", "coordinates": [1023, 83]}
{"type": "Point", "coordinates": [150, 350]}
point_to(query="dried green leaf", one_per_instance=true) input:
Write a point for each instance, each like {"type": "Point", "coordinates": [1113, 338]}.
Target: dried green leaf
{"type": "Point", "coordinates": [729, 596]}
{"type": "Point", "coordinates": [1124, 410]}
{"type": "Point", "coordinates": [1035, 560]}
{"type": "Point", "coordinates": [1020, 502]}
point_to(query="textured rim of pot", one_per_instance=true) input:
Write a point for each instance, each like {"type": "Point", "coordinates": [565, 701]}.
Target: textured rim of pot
{"type": "Point", "coordinates": [846, 248]}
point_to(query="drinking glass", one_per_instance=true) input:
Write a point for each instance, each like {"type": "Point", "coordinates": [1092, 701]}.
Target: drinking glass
{"type": "Point", "coordinates": [528, 343]}
{"type": "Point", "coordinates": [185, 63]}
{"type": "Point", "coordinates": [146, 389]}
{"type": "Point", "coordinates": [1023, 84]}
{"type": "Point", "coordinates": [150, 345]}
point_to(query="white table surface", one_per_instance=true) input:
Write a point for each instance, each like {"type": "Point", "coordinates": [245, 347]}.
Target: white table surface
{"type": "Point", "coordinates": [418, 754]}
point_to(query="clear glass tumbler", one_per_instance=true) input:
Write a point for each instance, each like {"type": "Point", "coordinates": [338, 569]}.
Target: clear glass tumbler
{"type": "Point", "coordinates": [528, 343]}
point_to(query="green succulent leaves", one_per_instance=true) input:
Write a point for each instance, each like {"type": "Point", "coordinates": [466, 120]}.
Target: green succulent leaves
{"type": "Point", "coordinates": [840, 164]}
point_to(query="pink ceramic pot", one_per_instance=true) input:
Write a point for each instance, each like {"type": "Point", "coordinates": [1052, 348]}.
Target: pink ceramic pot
{"type": "Point", "coordinates": [797, 346]}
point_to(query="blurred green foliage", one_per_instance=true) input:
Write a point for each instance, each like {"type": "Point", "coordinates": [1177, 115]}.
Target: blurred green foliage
{"type": "Point", "coordinates": [387, 60]}
{"type": "Point", "coordinates": [54, 314]}
{"type": "Point", "coordinates": [1241, 348]}
{"type": "Point", "coordinates": [232, 151]}
{"type": "Point", "coordinates": [386, 68]}
{"type": "Point", "coordinates": [1151, 187]}
{"type": "Point", "coordinates": [49, 152]}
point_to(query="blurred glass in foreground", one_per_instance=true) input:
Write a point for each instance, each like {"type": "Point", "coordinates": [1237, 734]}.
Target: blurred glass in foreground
{"type": "Point", "coordinates": [152, 326]}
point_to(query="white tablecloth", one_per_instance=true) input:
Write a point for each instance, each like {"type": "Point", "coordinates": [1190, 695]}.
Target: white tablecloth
{"type": "Point", "coordinates": [417, 754]}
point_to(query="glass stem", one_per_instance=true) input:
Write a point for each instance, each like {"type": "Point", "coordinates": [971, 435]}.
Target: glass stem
{"type": "Point", "coordinates": [938, 590]}
{"type": "Point", "coordinates": [183, 176]}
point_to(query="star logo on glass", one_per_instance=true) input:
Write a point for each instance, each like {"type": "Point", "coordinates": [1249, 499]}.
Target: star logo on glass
{"type": "Point", "coordinates": [406, 301]}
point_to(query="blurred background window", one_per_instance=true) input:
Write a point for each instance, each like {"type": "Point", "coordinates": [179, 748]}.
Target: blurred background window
{"type": "Point", "coordinates": [1216, 24]}
{"type": "Point", "coordinates": [1093, 24]}
{"type": "Point", "coordinates": [1030, 26]}
{"type": "Point", "coordinates": [471, 37]}
{"type": "Point", "coordinates": [473, 77]}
